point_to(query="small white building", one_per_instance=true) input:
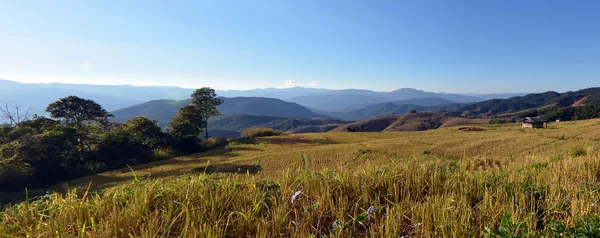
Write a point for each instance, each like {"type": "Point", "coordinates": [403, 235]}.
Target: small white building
{"type": "Point", "coordinates": [533, 122]}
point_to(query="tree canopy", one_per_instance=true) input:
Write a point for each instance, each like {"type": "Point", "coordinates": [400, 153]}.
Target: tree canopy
{"type": "Point", "coordinates": [73, 110]}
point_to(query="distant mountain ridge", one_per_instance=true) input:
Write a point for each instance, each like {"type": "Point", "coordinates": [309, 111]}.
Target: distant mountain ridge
{"type": "Point", "coordinates": [341, 100]}
{"type": "Point", "coordinates": [164, 110]}
{"type": "Point", "coordinates": [113, 97]}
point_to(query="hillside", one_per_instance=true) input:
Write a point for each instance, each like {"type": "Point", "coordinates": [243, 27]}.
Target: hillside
{"type": "Point", "coordinates": [425, 183]}
{"type": "Point", "coordinates": [533, 101]}
{"type": "Point", "coordinates": [377, 110]}
{"type": "Point", "coordinates": [419, 121]}
{"type": "Point", "coordinates": [233, 125]}
{"type": "Point", "coordinates": [396, 107]}
{"type": "Point", "coordinates": [164, 110]}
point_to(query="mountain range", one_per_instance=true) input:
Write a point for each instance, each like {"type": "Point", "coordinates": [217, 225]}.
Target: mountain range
{"type": "Point", "coordinates": [114, 97]}
{"type": "Point", "coordinates": [300, 109]}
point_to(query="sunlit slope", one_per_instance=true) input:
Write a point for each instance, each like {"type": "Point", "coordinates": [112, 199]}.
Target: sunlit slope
{"type": "Point", "coordinates": [498, 147]}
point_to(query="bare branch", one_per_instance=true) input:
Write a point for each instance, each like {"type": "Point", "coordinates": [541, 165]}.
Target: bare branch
{"type": "Point", "coordinates": [14, 117]}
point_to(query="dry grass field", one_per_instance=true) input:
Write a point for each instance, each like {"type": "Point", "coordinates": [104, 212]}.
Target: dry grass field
{"type": "Point", "coordinates": [497, 147]}
{"type": "Point", "coordinates": [503, 181]}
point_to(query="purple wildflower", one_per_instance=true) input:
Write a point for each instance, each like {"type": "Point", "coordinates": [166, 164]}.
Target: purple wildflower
{"type": "Point", "coordinates": [568, 198]}
{"type": "Point", "coordinates": [371, 210]}
{"type": "Point", "coordinates": [296, 195]}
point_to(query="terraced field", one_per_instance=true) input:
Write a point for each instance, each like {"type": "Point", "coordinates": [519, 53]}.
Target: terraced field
{"type": "Point", "coordinates": [497, 147]}
{"type": "Point", "coordinates": [500, 181]}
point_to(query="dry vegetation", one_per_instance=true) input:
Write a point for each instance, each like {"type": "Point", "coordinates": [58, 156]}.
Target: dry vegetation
{"type": "Point", "coordinates": [441, 183]}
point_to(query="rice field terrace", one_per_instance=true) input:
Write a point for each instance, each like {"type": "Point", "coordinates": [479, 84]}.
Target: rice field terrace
{"type": "Point", "coordinates": [494, 181]}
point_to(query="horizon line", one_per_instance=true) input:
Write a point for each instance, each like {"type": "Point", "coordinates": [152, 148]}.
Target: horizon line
{"type": "Point", "coordinates": [276, 88]}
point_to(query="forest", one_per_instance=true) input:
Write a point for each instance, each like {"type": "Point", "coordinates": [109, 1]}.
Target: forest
{"type": "Point", "coordinates": [78, 139]}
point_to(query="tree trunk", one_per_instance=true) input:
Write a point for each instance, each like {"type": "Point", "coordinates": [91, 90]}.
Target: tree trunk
{"type": "Point", "coordinates": [81, 148]}
{"type": "Point", "coordinates": [206, 131]}
{"type": "Point", "coordinates": [81, 144]}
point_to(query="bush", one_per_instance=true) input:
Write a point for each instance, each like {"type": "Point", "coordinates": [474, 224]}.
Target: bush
{"type": "Point", "coordinates": [578, 152]}
{"type": "Point", "coordinates": [216, 142]}
{"type": "Point", "coordinates": [163, 153]}
{"type": "Point", "coordinates": [13, 176]}
{"type": "Point", "coordinates": [254, 132]}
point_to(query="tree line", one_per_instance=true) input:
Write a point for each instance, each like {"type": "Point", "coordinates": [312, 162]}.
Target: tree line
{"type": "Point", "coordinates": [79, 139]}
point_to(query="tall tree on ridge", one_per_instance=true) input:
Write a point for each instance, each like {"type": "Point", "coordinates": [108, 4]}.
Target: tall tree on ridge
{"type": "Point", "coordinates": [205, 101]}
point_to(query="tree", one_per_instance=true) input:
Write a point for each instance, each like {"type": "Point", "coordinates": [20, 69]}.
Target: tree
{"type": "Point", "coordinates": [81, 114]}
{"type": "Point", "coordinates": [74, 110]}
{"type": "Point", "coordinates": [205, 101]}
{"type": "Point", "coordinates": [14, 116]}
{"type": "Point", "coordinates": [187, 123]}
{"type": "Point", "coordinates": [413, 110]}
{"type": "Point", "coordinates": [145, 130]}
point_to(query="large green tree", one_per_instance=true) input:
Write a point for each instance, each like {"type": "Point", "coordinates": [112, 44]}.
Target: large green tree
{"type": "Point", "coordinates": [84, 115]}
{"type": "Point", "coordinates": [192, 120]}
{"type": "Point", "coordinates": [187, 123]}
{"type": "Point", "coordinates": [74, 111]}
{"type": "Point", "coordinates": [205, 101]}
{"type": "Point", "coordinates": [144, 129]}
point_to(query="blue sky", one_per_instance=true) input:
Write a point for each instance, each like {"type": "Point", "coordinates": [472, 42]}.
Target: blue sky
{"type": "Point", "coordinates": [442, 46]}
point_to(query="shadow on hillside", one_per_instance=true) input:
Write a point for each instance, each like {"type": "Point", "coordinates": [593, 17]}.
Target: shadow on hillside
{"type": "Point", "coordinates": [228, 168]}
{"type": "Point", "coordinates": [299, 140]}
{"type": "Point", "coordinates": [245, 149]}
{"type": "Point", "coordinates": [242, 140]}
{"type": "Point", "coordinates": [221, 155]}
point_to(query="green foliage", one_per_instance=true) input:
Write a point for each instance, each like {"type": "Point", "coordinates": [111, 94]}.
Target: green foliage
{"type": "Point", "coordinates": [254, 132]}
{"type": "Point", "coordinates": [216, 142]}
{"type": "Point", "coordinates": [508, 229]}
{"type": "Point", "coordinates": [43, 151]}
{"type": "Point", "coordinates": [571, 113]}
{"type": "Point", "coordinates": [74, 110]}
{"type": "Point", "coordinates": [306, 161]}
{"type": "Point", "coordinates": [205, 102]}
{"type": "Point", "coordinates": [145, 130]}
{"type": "Point", "coordinates": [499, 120]}
{"type": "Point", "coordinates": [578, 152]}
{"type": "Point", "coordinates": [188, 122]}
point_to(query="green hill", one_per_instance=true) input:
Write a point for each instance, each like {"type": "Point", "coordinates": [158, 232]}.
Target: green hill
{"type": "Point", "coordinates": [228, 125]}
{"type": "Point", "coordinates": [238, 114]}
{"type": "Point", "coordinates": [164, 110]}
{"type": "Point", "coordinates": [589, 96]}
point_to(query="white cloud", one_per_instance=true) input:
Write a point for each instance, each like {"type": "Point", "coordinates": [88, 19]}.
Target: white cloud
{"type": "Point", "coordinates": [292, 83]}
{"type": "Point", "coordinates": [295, 83]}
{"type": "Point", "coordinates": [85, 66]}
{"type": "Point", "coordinates": [314, 84]}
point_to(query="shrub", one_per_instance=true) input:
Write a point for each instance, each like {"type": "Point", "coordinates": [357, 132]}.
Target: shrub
{"type": "Point", "coordinates": [254, 132]}
{"type": "Point", "coordinates": [578, 152]}
{"type": "Point", "coordinates": [215, 142]}
{"type": "Point", "coordinates": [164, 153]}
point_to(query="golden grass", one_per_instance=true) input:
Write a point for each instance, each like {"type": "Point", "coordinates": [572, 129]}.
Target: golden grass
{"type": "Point", "coordinates": [503, 144]}
{"type": "Point", "coordinates": [440, 183]}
